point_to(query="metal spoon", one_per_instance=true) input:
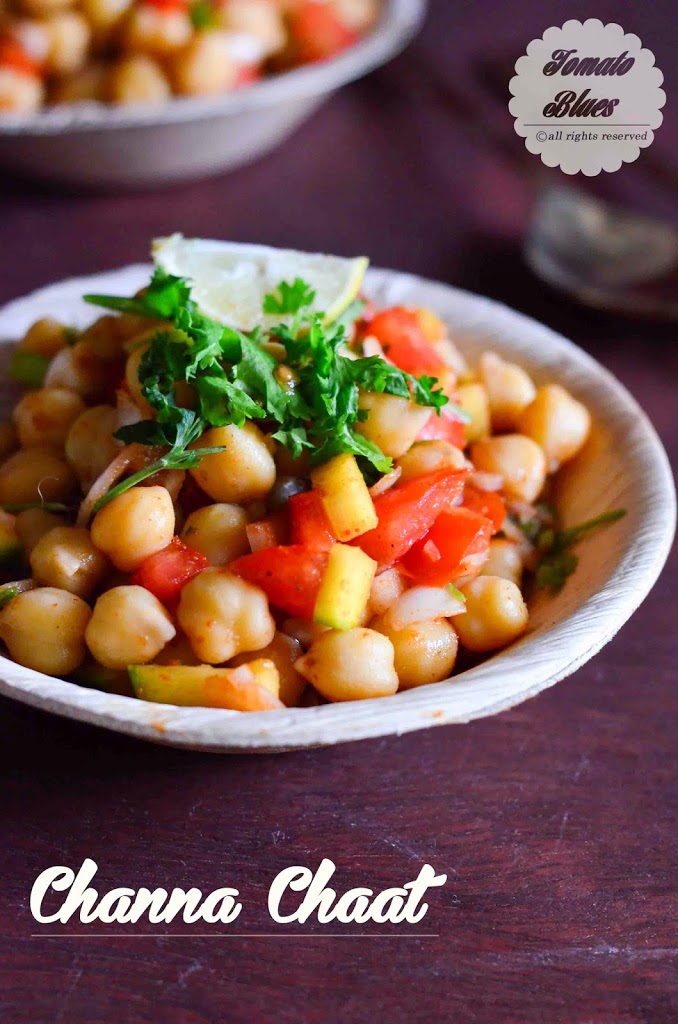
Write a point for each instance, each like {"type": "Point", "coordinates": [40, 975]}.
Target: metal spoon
{"type": "Point", "coordinates": [603, 256]}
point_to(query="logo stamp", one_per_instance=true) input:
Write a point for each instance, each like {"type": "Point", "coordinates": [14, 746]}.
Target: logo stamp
{"type": "Point", "coordinates": [587, 97]}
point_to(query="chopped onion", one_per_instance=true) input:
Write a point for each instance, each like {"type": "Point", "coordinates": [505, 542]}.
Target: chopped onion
{"type": "Point", "coordinates": [514, 533]}
{"type": "Point", "coordinates": [486, 481]}
{"type": "Point", "coordinates": [132, 458]}
{"type": "Point", "coordinates": [128, 411]}
{"type": "Point", "coordinates": [386, 482]}
{"type": "Point", "coordinates": [373, 347]}
{"type": "Point", "coordinates": [387, 587]}
{"type": "Point", "coordinates": [421, 604]}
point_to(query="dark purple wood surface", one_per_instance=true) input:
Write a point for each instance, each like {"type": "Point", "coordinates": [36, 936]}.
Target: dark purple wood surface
{"type": "Point", "coordinates": [556, 822]}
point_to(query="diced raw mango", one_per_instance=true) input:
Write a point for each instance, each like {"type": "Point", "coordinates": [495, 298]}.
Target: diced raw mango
{"type": "Point", "coordinates": [206, 686]}
{"type": "Point", "coordinates": [346, 498]}
{"type": "Point", "coordinates": [345, 588]}
{"type": "Point", "coordinates": [473, 399]}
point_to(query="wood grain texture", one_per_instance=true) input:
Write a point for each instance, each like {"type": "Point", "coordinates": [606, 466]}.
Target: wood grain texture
{"type": "Point", "coordinates": [556, 822]}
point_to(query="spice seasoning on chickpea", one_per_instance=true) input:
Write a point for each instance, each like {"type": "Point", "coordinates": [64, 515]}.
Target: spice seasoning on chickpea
{"type": "Point", "coordinates": [355, 504]}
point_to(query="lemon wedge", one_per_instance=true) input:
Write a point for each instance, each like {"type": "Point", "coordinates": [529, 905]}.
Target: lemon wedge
{"type": "Point", "coordinates": [229, 280]}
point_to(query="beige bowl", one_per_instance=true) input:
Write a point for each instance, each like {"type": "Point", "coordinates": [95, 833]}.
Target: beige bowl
{"type": "Point", "coordinates": [98, 144]}
{"type": "Point", "coordinates": [624, 464]}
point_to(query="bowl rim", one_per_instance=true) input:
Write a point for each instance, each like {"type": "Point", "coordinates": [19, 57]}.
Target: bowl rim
{"type": "Point", "coordinates": [398, 23]}
{"type": "Point", "coordinates": [508, 678]}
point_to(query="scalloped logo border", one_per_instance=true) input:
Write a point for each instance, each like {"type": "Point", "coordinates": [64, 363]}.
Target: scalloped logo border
{"type": "Point", "coordinates": [587, 97]}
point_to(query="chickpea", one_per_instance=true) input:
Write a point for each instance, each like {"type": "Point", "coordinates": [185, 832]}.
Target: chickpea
{"type": "Point", "coordinates": [392, 423]}
{"type": "Point", "coordinates": [89, 83]}
{"type": "Point", "coordinates": [206, 66]}
{"type": "Point", "coordinates": [157, 32]}
{"type": "Point", "coordinates": [218, 531]}
{"type": "Point", "coordinates": [19, 92]}
{"type": "Point", "coordinates": [34, 523]}
{"type": "Point", "coordinates": [66, 558]}
{"type": "Point", "coordinates": [558, 423]}
{"type": "Point", "coordinates": [104, 15]}
{"type": "Point", "coordinates": [105, 337]}
{"type": "Point", "coordinates": [45, 337]}
{"type": "Point", "coordinates": [495, 616]}
{"type": "Point", "coordinates": [428, 456]}
{"type": "Point", "coordinates": [43, 7]}
{"type": "Point", "coordinates": [509, 387]}
{"type": "Point", "coordinates": [69, 37]}
{"type": "Point", "coordinates": [134, 525]}
{"type": "Point", "coordinates": [474, 400]}
{"type": "Point", "coordinates": [283, 651]}
{"type": "Point", "coordinates": [9, 442]}
{"type": "Point", "coordinates": [44, 629]}
{"type": "Point", "coordinates": [504, 561]}
{"type": "Point", "coordinates": [90, 445]}
{"type": "Point", "coordinates": [260, 19]}
{"type": "Point", "coordinates": [129, 626]}
{"type": "Point", "coordinates": [36, 474]}
{"type": "Point", "coordinates": [425, 652]}
{"type": "Point", "coordinates": [223, 616]}
{"type": "Point", "coordinates": [244, 472]}
{"type": "Point", "coordinates": [138, 79]}
{"type": "Point", "coordinates": [45, 416]}
{"type": "Point", "coordinates": [354, 665]}
{"type": "Point", "coordinates": [517, 458]}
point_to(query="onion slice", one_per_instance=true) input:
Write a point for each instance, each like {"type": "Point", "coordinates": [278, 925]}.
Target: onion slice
{"type": "Point", "coordinates": [421, 604]}
{"type": "Point", "coordinates": [132, 458]}
{"type": "Point", "coordinates": [386, 482]}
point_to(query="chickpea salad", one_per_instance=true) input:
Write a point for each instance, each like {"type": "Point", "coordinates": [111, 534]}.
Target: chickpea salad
{"type": "Point", "coordinates": [133, 52]}
{"type": "Point", "coordinates": [321, 508]}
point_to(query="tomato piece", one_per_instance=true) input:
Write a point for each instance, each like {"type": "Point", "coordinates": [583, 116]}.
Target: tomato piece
{"type": "Point", "coordinates": [488, 503]}
{"type": "Point", "coordinates": [268, 533]}
{"type": "Point", "coordinates": [166, 5]}
{"type": "Point", "coordinates": [310, 523]}
{"type": "Point", "coordinates": [289, 576]}
{"type": "Point", "coordinates": [166, 572]}
{"type": "Point", "coordinates": [317, 33]}
{"type": "Point", "coordinates": [443, 428]}
{"type": "Point", "coordinates": [399, 332]}
{"type": "Point", "coordinates": [406, 513]}
{"type": "Point", "coordinates": [13, 55]}
{"type": "Point", "coordinates": [446, 552]}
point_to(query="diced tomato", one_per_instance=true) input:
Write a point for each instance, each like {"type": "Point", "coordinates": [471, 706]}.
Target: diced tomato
{"type": "Point", "coordinates": [406, 513]}
{"type": "Point", "coordinates": [247, 75]}
{"type": "Point", "coordinates": [167, 571]}
{"type": "Point", "coordinates": [310, 523]}
{"type": "Point", "coordinates": [167, 5]}
{"type": "Point", "coordinates": [317, 33]}
{"type": "Point", "coordinates": [403, 341]}
{"type": "Point", "coordinates": [443, 428]}
{"type": "Point", "coordinates": [289, 576]}
{"type": "Point", "coordinates": [13, 55]}
{"type": "Point", "coordinates": [488, 503]}
{"type": "Point", "coordinates": [268, 533]}
{"type": "Point", "coordinates": [444, 554]}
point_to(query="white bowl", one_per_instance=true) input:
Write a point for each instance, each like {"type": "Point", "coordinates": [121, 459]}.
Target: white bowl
{"type": "Point", "coordinates": [624, 464]}
{"type": "Point", "coordinates": [103, 145]}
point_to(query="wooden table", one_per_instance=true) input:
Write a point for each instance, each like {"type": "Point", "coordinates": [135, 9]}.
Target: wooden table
{"type": "Point", "coordinates": [556, 822]}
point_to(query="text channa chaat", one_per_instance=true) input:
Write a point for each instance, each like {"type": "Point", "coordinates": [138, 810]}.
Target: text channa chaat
{"type": "Point", "coordinates": [145, 51]}
{"type": "Point", "coordinates": [318, 509]}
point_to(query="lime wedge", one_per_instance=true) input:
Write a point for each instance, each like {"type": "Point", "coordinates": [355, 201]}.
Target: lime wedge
{"type": "Point", "coordinates": [229, 280]}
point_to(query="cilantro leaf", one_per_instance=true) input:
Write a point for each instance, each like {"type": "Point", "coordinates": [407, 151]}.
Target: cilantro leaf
{"type": "Point", "coordinates": [202, 14]}
{"type": "Point", "coordinates": [289, 298]}
{"type": "Point", "coordinates": [557, 563]}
